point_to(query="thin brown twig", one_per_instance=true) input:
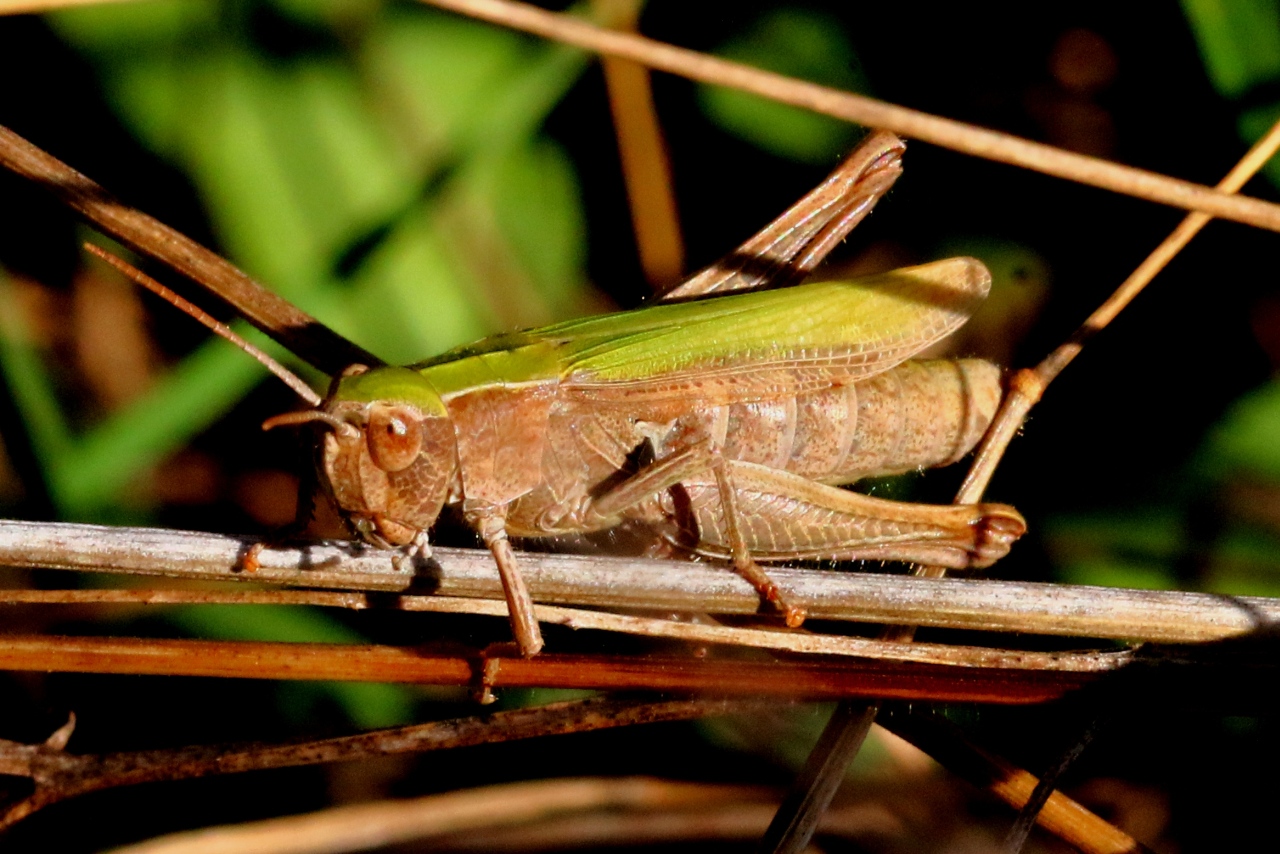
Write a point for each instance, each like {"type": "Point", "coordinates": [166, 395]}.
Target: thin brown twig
{"type": "Point", "coordinates": [872, 823]}
{"type": "Point", "coordinates": [1062, 816]}
{"type": "Point", "coordinates": [301, 333]}
{"type": "Point", "coordinates": [309, 661]}
{"type": "Point", "coordinates": [948, 133]}
{"type": "Point", "coordinates": [608, 830]}
{"type": "Point", "coordinates": [1028, 386]}
{"type": "Point", "coordinates": [361, 826]}
{"type": "Point", "coordinates": [643, 152]}
{"type": "Point", "coordinates": [577, 618]}
{"type": "Point", "coordinates": [210, 322]}
{"type": "Point", "coordinates": [575, 813]}
{"type": "Point", "coordinates": [448, 664]}
{"type": "Point", "coordinates": [59, 775]}
{"type": "Point", "coordinates": [842, 738]}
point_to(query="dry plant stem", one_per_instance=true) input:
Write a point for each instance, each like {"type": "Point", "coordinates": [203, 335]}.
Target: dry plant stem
{"type": "Point", "coordinates": [812, 678]}
{"type": "Point", "coordinates": [794, 825]}
{"type": "Point", "coordinates": [610, 830]}
{"type": "Point", "coordinates": [559, 815]}
{"type": "Point", "coordinates": [869, 112]}
{"type": "Point", "coordinates": [622, 583]}
{"type": "Point", "coordinates": [549, 815]}
{"type": "Point", "coordinates": [362, 826]}
{"type": "Point", "coordinates": [645, 167]}
{"type": "Point", "coordinates": [1063, 817]}
{"type": "Point", "coordinates": [1016, 838]}
{"type": "Point", "coordinates": [281, 320]}
{"type": "Point", "coordinates": [797, 642]}
{"type": "Point", "coordinates": [855, 822]}
{"type": "Point", "coordinates": [810, 794]}
{"type": "Point", "coordinates": [59, 775]}
{"type": "Point", "coordinates": [859, 822]}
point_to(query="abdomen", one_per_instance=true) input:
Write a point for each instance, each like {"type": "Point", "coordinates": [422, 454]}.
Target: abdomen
{"type": "Point", "coordinates": [917, 415]}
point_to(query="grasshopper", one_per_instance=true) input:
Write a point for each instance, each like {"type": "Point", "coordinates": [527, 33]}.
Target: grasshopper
{"type": "Point", "coordinates": [725, 419]}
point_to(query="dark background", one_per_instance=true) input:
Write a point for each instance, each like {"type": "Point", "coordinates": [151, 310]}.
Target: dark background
{"type": "Point", "coordinates": [1120, 439]}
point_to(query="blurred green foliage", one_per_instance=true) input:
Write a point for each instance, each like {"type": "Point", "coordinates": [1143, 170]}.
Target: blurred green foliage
{"type": "Point", "coordinates": [410, 135]}
{"type": "Point", "coordinates": [1218, 528]}
{"type": "Point", "coordinates": [1245, 440]}
{"type": "Point", "coordinates": [389, 176]}
{"type": "Point", "coordinates": [1239, 41]}
{"type": "Point", "coordinates": [799, 43]}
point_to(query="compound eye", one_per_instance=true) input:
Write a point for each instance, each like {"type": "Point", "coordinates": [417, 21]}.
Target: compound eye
{"type": "Point", "coordinates": [394, 436]}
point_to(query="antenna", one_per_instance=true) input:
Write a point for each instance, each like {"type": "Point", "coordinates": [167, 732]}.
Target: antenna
{"type": "Point", "coordinates": [288, 377]}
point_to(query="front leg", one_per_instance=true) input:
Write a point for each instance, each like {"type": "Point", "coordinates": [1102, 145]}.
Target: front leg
{"type": "Point", "coordinates": [490, 522]}
{"type": "Point", "coordinates": [419, 547]}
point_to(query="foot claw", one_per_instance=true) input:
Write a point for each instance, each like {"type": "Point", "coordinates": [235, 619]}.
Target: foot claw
{"type": "Point", "coordinates": [769, 591]}
{"type": "Point", "coordinates": [793, 616]}
{"type": "Point", "coordinates": [487, 667]}
{"type": "Point", "coordinates": [418, 547]}
{"type": "Point", "coordinates": [251, 561]}
{"type": "Point", "coordinates": [996, 532]}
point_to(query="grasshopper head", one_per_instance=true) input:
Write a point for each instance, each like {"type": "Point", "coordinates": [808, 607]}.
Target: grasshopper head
{"type": "Point", "coordinates": [389, 456]}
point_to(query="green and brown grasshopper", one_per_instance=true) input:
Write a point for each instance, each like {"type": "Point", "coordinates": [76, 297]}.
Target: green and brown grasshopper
{"type": "Point", "coordinates": [724, 419]}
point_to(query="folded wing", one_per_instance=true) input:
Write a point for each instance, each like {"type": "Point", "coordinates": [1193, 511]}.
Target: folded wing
{"type": "Point", "coordinates": [790, 340]}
